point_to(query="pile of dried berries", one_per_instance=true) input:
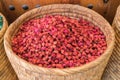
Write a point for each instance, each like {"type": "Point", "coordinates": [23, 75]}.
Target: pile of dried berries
{"type": "Point", "coordinates": [56, 41]}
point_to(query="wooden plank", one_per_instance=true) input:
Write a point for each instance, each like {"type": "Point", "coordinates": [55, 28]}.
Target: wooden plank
{"type": "Point", "coordinates": [111, 9]}
{"type": "Point", "coordinates": [105, 9]}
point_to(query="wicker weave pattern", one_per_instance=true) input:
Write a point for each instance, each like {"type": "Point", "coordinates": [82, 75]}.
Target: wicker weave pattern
{"type": "Point", "coordinates": [91, 71]}
{"type": "Point", "coordinates": [112, 71]}
{"type": "Point", "coordinates": [6, 70]}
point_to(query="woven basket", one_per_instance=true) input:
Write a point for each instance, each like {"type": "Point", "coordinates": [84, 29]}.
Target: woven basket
{"type": "Point", "coordinates": [112, 71]}
{"type": "Point", "coordinates": [90, 71]}
{"type": "Point", "coordinates": [6, 70]}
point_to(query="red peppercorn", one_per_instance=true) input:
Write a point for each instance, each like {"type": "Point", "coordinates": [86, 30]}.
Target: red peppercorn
{"type": "Point", "coordinates": [56, 41]}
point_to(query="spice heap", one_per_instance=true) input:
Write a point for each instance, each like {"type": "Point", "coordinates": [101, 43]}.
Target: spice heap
{"type": "Point", "coordinates": [1, 22]}
{"type": "Point", "coordinates": [56, 41]}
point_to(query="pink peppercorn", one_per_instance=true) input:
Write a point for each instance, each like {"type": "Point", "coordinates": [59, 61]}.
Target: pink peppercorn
{"type": "Point", "coordinates": [56, 41]}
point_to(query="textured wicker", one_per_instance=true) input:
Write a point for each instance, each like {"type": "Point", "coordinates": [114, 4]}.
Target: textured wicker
{"type": "Point", "coordinates": [90, 71]}
{"type": "Point", "coordinates": [112, 71]}
{"type": "Point", "coordinates": [6, 70]}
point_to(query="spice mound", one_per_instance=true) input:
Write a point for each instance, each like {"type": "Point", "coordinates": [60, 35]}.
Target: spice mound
{"type": "Point", "coordinates": [56, 41]}
{"type": "Point", "coordinates": [1, 22]}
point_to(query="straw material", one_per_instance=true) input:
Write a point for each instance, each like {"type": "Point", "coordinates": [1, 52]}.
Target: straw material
{"type": "Point", "coordinates": [6, 70]}
{"type": "Point", "coordinates": [90, 71]}
{"type": "Point", "coordinates": [112, 71]}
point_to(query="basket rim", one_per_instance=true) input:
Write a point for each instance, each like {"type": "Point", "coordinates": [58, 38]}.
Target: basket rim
{"type": "Point", "coordinates": [116, 19]}
{"type": "Point", "coordinates": [65, 70]}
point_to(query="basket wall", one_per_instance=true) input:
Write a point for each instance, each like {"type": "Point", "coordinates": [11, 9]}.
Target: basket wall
{"type": "Point", "coordinates": [6, 70]}
{"type": "Point", "coordinates": [91, 71]}
{"type": "Point", "coordinates": [112, 71]}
